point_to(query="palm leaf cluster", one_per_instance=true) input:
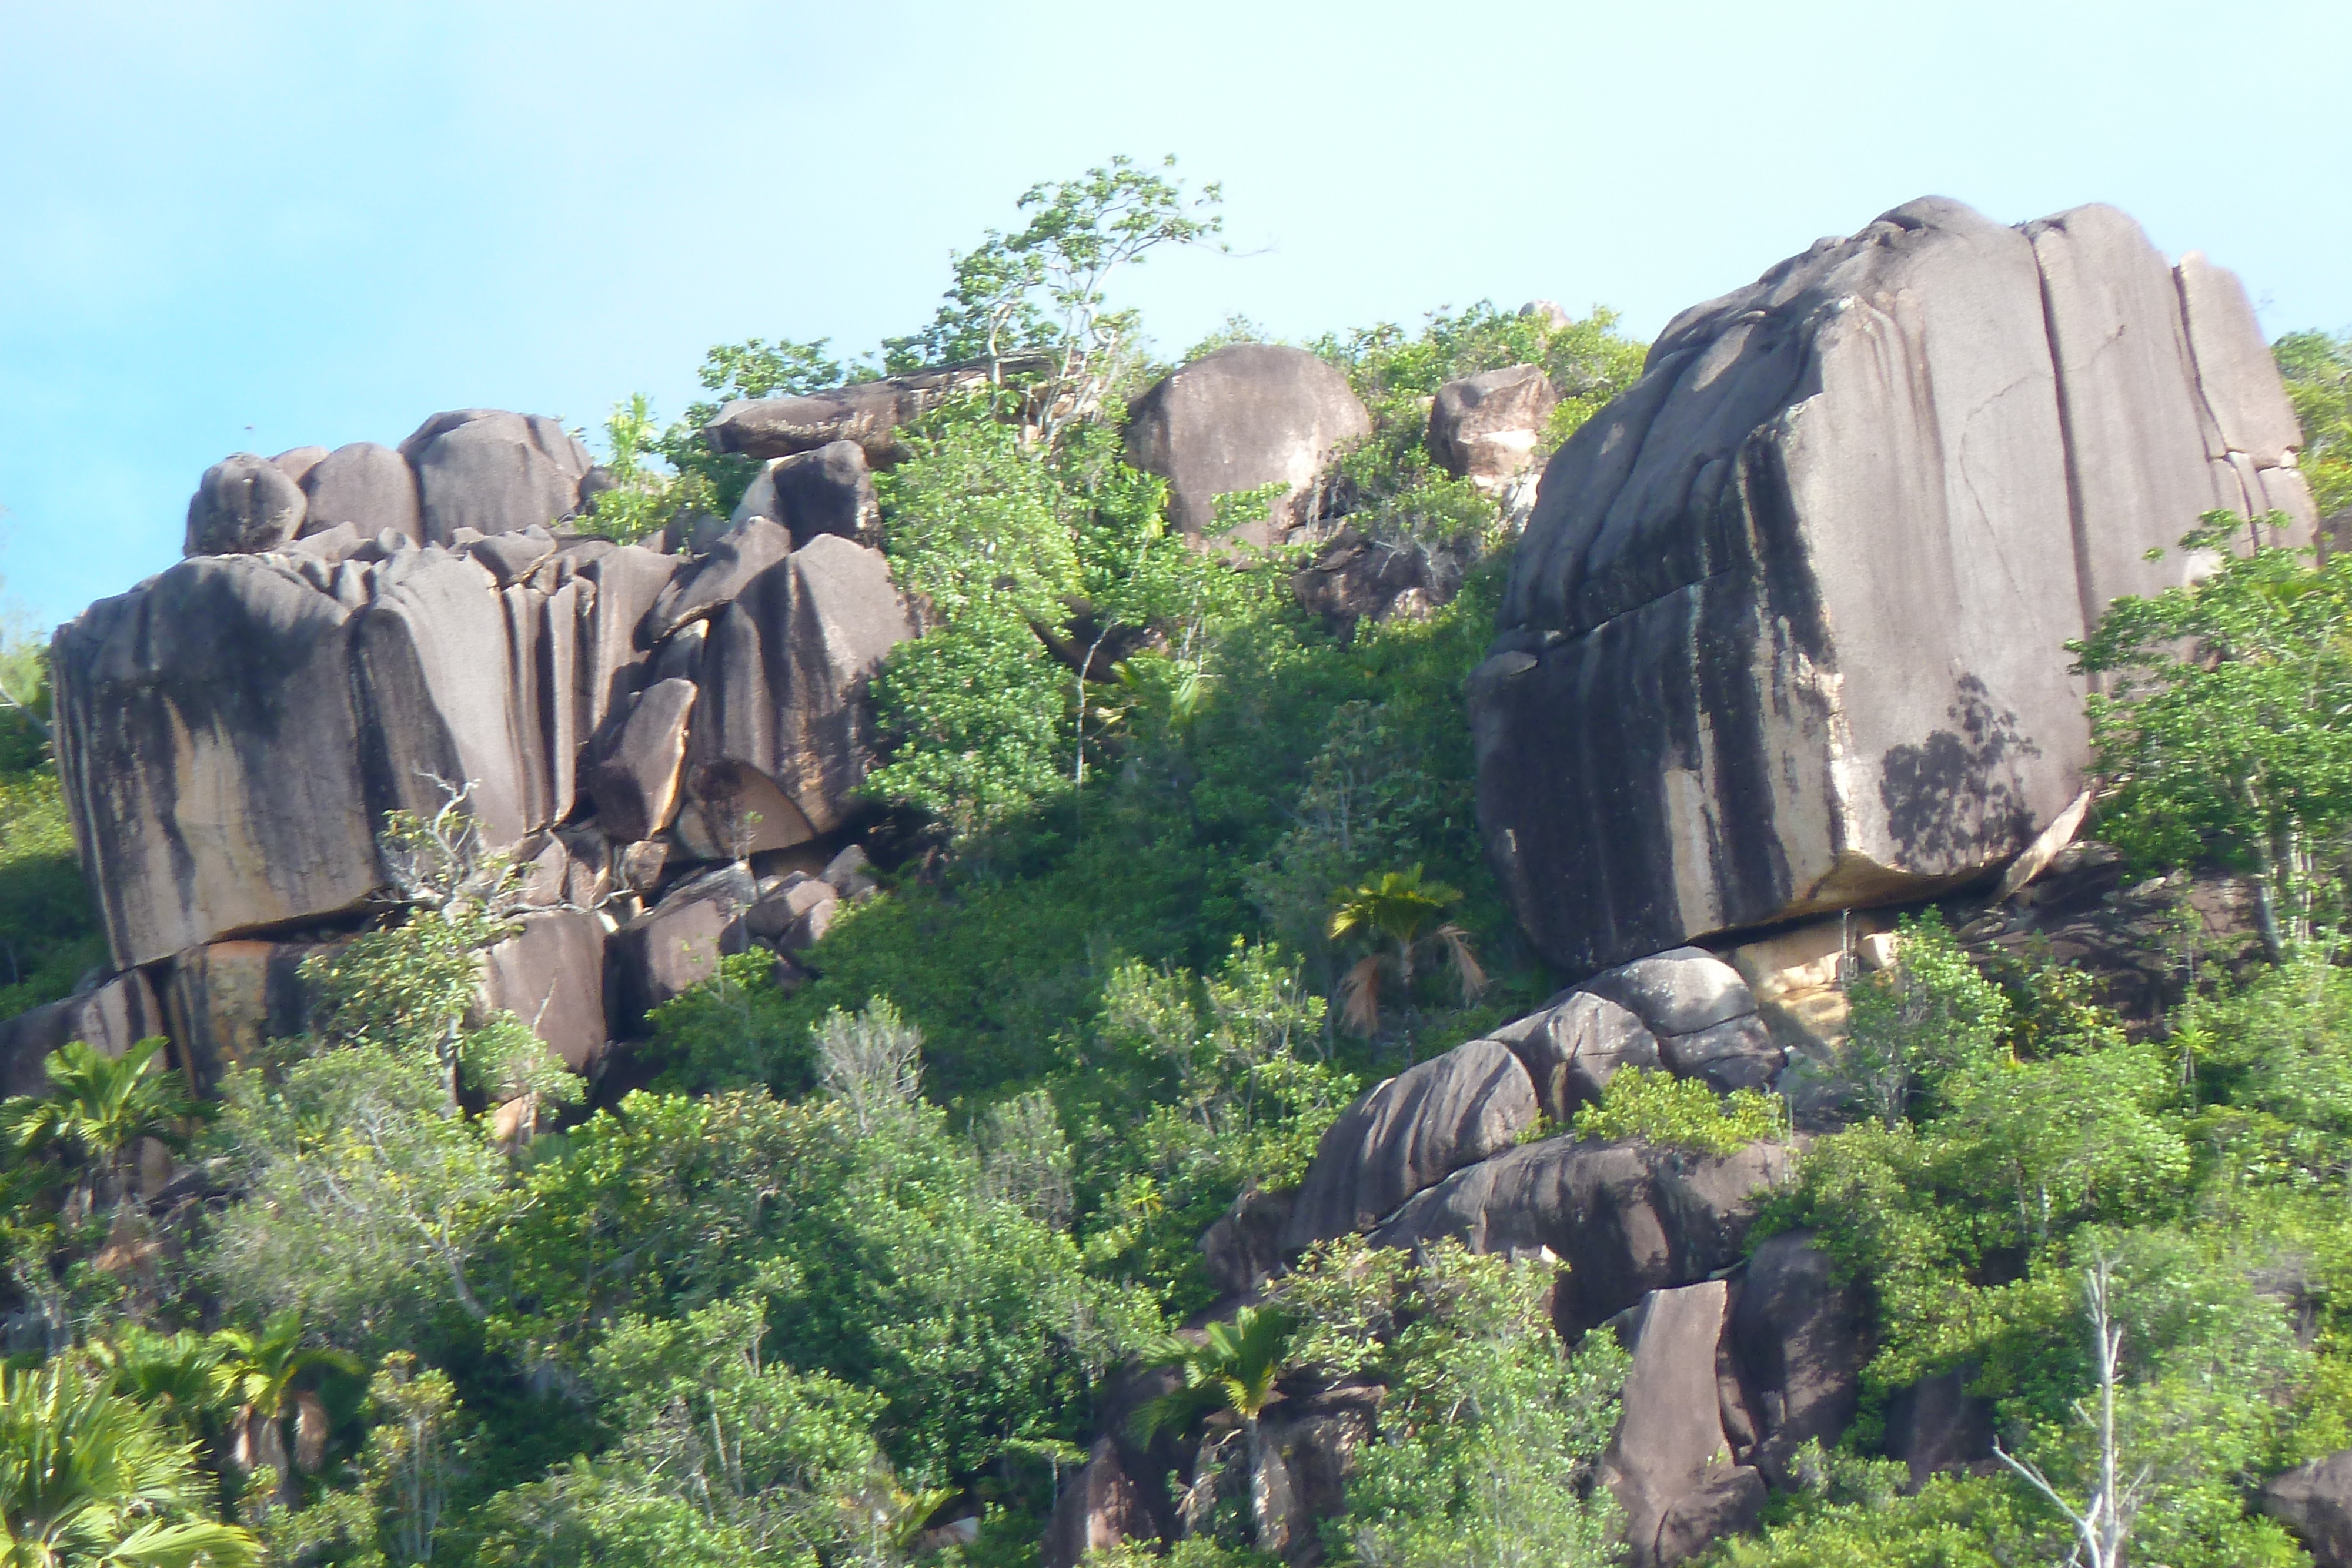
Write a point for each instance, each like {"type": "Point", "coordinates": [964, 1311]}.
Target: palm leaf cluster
{"type": "Point", "coordinates": [1402, 919]}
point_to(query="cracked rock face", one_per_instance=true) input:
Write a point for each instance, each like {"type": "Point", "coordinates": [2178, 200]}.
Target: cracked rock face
{"type": "Point", "coordinates": [231, 732]}
{"type": "Point", "coordinates": [1786, 631]}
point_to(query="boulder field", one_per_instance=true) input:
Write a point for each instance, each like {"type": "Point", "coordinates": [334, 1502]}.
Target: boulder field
{"type": "Point", "coordinates": [1784, 638]}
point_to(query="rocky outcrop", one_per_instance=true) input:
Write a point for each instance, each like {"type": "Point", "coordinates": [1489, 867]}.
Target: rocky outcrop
{"type": "Point", "coordinates": [1626, 1218]}
{"type": "Point", "coordinates": [1409, 1134]}
{"type": "Point", "coordinates": [1240, 418]}
{"type": "Point", "coordinates": [2315, 1500]}
{"type": "Point", "coordinates": [1684, 1010]}
{"type": "Point", "coordinates": [1484, 428]}
{"type": "Point", "coordinates": [371, 488]}
{"type": "Point", "coordinates": [827, 490]}
{"type": "Point", "coordinates": [1097, 1509]}
{"type": "Point", "coordinates": [493, 472]}
{"type": "Point", "coordinates": [1352, 578]}
{"type": "Point", "coordinates": [244, 504]}
{"type": "Point", "coordinates": [1668, 1463]}
{"type": "Point", "coordinates": [1940, 445]}
{"type": "Point", "coordinates": [868, 413]}
{"type": "Point", "coordinates": [112, 1017]}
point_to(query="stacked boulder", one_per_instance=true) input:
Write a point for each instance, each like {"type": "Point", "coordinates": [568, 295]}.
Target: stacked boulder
{"type": "Point", "coordinates": [231, 732]}
{"type": "Point", "coordinates": [1786, 634]}
{"type": "Point", "coordinates": [1735, 1365]}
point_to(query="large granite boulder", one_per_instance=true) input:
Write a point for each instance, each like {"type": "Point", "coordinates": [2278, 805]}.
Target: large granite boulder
{"type": "Point", "coordinates": [636, 781]}
{"type": "Point", "coordinates": [783, 731]}
{"type": "Point", "coordinates": [1099, 1509]}
{"type": "Point", "coordinates": [677, 943]}
{"type": "Point", "coordinates": [227, 1000]}
{"type": "Point", "coordinates": [493, 472]}
{"type": "Point", "coordinates": [1484, 428]}
{"type": "Point", "coordinates": [2315, 1500]}
{"type": "Point", "coordinates": [827, 490]}
{"type": "Point", "coordinates": [868, 413]}
{"type": "Point", "coordinates": [1626, 1218]}
{"type": "Point", "coordinates": [1799, 1336]}
{"type": "Point", "coordinates": [231, 733]}
{"type": "Point", "coordinates": [1409, 1134]}
{"type": "Point", "coordinates": [551, 975]}
{"type": "Point", "coordinates": [113, 1016]}
{"type": "Point", "coordinates": [1786, 630]}
{"type": "Point", "coordinates": [1669, 1462]}
{"type": "Point", "coordinates": [243, 504]}
{"type": "Point", "coordinates": [1244, 416]}
{"type": "Point", "coordinates": [370, 486]}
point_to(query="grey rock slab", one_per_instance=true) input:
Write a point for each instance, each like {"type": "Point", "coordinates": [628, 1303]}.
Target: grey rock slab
{"type": "Point", "coordinates": [827, 491]}
{"type": "Point", "coordinates": [208, 749]}
{"type": "Point", "coordinates": [1937, 1424]}
{"type": "Point", "coordinates": [1486, 427]}
{"type": "Point", "coordinates": [297, 461]}
{"type": "Point", "coordinates": [1738, 1053]}
{"type": "Point", "coordinates": [867, 413]}
{"type": "Point", "coordinates": [551, 975]}
{"type": "Point", "coordinates": [677, 943]}
{"type": "Point", "coordinates": [718, 579]}
{"type": "Point", "coordinates": [778, 912]}
{"type": "Point", "coordinates": [1801, 1337]}
{"type": "Point", "coordinates": [112, 1017]}
{"type": "Point", "coordinates": [1785, 632]}
{"type": "Point", "coordinates": [1677, 992]}
{"type": "Point", "coordinates": [1626, 1218]}
{"type": "Point", "coordinates": [1409, 1134]}
{"type": "Point", "coordinates": [784, 725]}
{"type": "Point", "coordinates": [2315, 1500]}
{"type": "Point", "coordinates": [511, 557]}
{"type": "Point", "coordinates": [493, 471]}
{"type": "Point", "coordinates": [635, 783]}
{"type": "Point", "coordinates": [243, 506]}
{"type": "Point", "coordinates": [1245, 416]}
{"type": "Point", "coordinates": [370, 486]}
{"type": "Point", "coordinates": [2127, 387]}
{"type": "Point", "coordinates": [1670, 1426]}
{"type": "Point", "coordinates": [2234, 366]}
{"type": "Point", "coordinates": [1573, 1048]}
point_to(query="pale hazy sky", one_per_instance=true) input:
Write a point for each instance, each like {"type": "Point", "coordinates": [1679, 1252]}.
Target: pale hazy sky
{"type": "Point", "coordinates": [258, 226]}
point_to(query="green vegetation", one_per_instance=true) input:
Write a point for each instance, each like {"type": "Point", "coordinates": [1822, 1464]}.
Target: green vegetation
{"type": "Point", "coordinates": [1173, 872]}
{"type": "Point", "coordinates": [2318, 367]}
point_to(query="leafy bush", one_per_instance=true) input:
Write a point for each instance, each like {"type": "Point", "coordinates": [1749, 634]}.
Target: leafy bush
{"type": "Point", "coordinates": [1672, 1112]}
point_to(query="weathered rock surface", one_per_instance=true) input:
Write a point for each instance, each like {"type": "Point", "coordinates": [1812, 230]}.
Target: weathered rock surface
{"type": "Point", "coordinates": [1353, 578]}
{"type": "Point", "coordinates": [1410, 1133]}
{"type": "Point", "coordinates": [224, 1002]}
{"type": "Point", "coordinates": [232, 731]}
{"type": "Point", "coordinates": [1485, 427]}
{"type": "Point", "coordinates": [550, 974]}
{"type": "Point", "coordinates": [493, 472]}
{"type": "Point", "coordinates": [635, 783]}
{"type": "Point", "coordinates": [1244, 1248]}
{"type": "Point", "coordinates": [1573, 1047]}
{"type": "Point", "coordinates": [1627, 1218]}
{"type": "Point", "coordinates": [828, 490]}
{"type": "Point", "coordinates": [677, 943]}
{"type": "Point", "coordinates": [1244, 416]}
{"type": "Point", "coordinates": [869, 413]}
{"type": "Point", "coordinates": [784, 728]}
{"type": "Point", "coordinates": [1099, 1509]}
{"type": "Point", "coordinates": [1667, 1462]}
{"type": "Point", "coordinates": [371, 488]}
{"type": "Point", "coordinates": [112, 1017]}
{"type": "Point", "coordinates": [1937, 1425]}
{"type": "Point", "coordinates": [1801, 1339]}
{"type": "Point", "coordinates": [2315, 1500]}
{"type": "Point", "coordinates": [244, 504]}
{"type": "Point", "coordinates": [1705, 708]}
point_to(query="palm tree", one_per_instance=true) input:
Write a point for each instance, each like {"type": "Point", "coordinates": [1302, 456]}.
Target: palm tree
{"type": "Point", "coordinates": [90, 1479]}
{"type": "Point", "coordinates": [179, 1376]}
{"type": "Point", "coordinates": [1230, 1379]}
{"type": "Point", "coordinates": [1401, 916]}
{"type": "Point", "coordinates": [263, 1383]}
{"type": "Point", "coordinates": [100, 1107]}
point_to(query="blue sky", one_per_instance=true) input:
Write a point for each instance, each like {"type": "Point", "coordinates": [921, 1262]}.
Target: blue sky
{"type": "Point", "coordinates": [258, 226]}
